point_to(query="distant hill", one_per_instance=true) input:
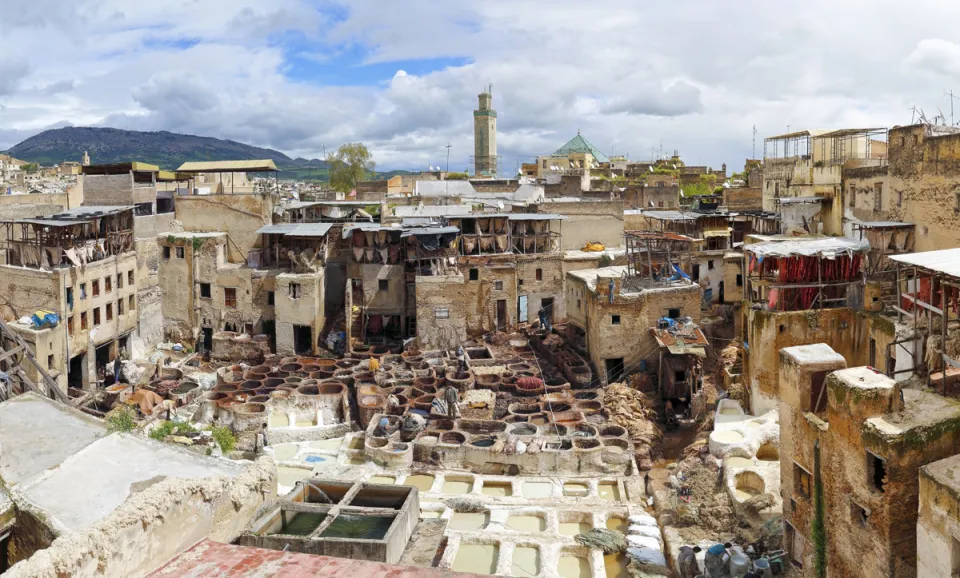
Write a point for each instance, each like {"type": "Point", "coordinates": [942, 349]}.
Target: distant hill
{"type": "Point", "coordinates": [166, 149]}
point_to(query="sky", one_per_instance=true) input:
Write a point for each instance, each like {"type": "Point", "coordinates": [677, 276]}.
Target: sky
{"type": "Point", "coordinates": [305, 76]}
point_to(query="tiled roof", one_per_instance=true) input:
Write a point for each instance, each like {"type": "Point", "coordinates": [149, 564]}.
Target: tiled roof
{"type": "Point", "coordinates": [578, 144]}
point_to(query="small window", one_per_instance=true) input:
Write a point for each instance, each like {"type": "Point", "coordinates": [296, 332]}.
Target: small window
{"type": "Point", "coordinates": [903, 140]}
{"type": "Point", "coordinates": [673, 313]}
{"type": "Point", "coordinates": [109, 307]}
{"type": "Point", "coordinates": [802, 482]}
{"type": "Point", "coordinates": [130, 278]}
{"type": "Point", "coordinates": [710, 264]}
{"type": "Point", "coordinates": [782, 328]}
{"type": "Point", "coordinates": [858, 514]}
{"type": "Point", "coordinates": [579, 305]}
{"type": "Point", "coordinates": [876, 472]}
{"type": "Point", "coordinates": [50, 361]}
{"type": "Point", "coordinates": [70, 325]}
{"type": "Point", "coordinates": [132, 302]}
{"type": "Point", "coordinates": [107, 284]}
{"type": "Point", "coordinates": [956, 207]}
{"type": "Point", "coordinates": [83, 290]}
{"type": "Point", "coordinates": [96, 288]}
{"type": "Point", "coordinates": [899, 198]}
{"type": "Point", "coordinates": [294, 290]}
{"type": "Point", "coordinates": [120, 307]}
{"type": "Point", "coordinates": [270, 298]}
{"type": "Point", "coordinates": [70, 298]}
{"type": "Point", "coordinates": [498, 285]}
{"type": "Point", "coordinates": [474, 274]}
{"type": "Point", "coordinates": [614, 320]}
{"type": "Point", "coordinates": [916, 139]}
{"type": "Point", "coordinates": [441, 313]}
{"type": "Point", "coordinates": [166, 252]}
{"type": "Point", "coordinates": [119, 280]}
{"type": "Point", "coordinates": [205, 291]}
{"type": "Point", "coordinates": [83, 321]}
{"type": "Point", "coordinates": [539, 274]}
{"type": "Point", "coordinates": [739, 280]}
{"type": "Point", "coordinates": [96, 316]}
{"type": "Point", "coordinates": [679, 376]}
{"type": "Point", "coordinates": [383, 284]}
{"type": "Point", "coordinates": [179, 252]}
{"type": "Point", "coordinates": [230, 297]}
{"type": "Point", "coordinates": [878, 197]}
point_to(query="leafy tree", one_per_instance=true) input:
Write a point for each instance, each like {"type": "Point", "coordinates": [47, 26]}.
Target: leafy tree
{"type": "Point", "coordinates": [457, 176]}
{"type": "Point", "coordinates": [30, 167]}
{"type": "Point", "coordinates": [349, 165]}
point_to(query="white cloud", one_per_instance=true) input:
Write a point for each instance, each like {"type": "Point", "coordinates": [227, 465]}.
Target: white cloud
{"type": "Point", "coordinates": [694, 76]}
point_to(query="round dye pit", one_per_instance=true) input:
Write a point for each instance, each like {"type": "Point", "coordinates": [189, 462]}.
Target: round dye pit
{"type": "Point", "coordinates": [727, 436]}
{"type": "Point", "coordinates": [738, 462]}
{"type": "Point", "coordinates": [573, 567]}
{"type": "Point", "coordinates": [382, 480]}
{"type": "Point", "coordinates": [526, 523]}
{"type": "Point", "coordinates": [468, 521]}
{"type": "Point", "coordinates": [476, 558]}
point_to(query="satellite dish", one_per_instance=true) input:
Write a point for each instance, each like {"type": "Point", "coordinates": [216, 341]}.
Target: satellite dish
{"type": "Point", "coordinates": [681, 193]}
{"type": "Point", "coordinates": [651, 203]}
{"type": "Point", "coordinates": [651, 168]}
{"type": "Point", "coordinates": [674, 167]}
{"type": "Point", "coordinates": [500, 205]}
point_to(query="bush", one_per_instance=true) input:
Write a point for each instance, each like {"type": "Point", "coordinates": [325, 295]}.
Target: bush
{"type": "Point", "coordinates": [121, 419]}
{"type": "Point", "coordinates": [224, 438]}
{"type": "Point", "coordinates": [166, 428]}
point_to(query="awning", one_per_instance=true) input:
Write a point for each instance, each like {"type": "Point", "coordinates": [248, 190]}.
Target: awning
{"type": "Point", "coordinates": [717, 233]}
{"type": "Point", "coordinates": [255, 166]}
{"type": "Point", "coordinates": [687, 350]}
{"type": "Point", "coordinates": [296, 229]}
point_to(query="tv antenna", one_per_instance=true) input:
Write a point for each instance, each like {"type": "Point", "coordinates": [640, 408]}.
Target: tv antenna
{"type": "Point", "coordinates": [952, 98]}
{"type": "Point", "coordinates": [448, 157]}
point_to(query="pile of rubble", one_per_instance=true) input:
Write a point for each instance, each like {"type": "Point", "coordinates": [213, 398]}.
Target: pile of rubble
{"type": "Point", "coordinates": [632, 410]}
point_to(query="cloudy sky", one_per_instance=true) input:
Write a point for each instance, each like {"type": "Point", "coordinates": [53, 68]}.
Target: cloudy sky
{"type": "Point", "coordinates": [402, 76]}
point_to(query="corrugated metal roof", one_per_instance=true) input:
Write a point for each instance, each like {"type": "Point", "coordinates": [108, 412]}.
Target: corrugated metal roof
{"type": "Point", "coordinates": [296, 229]}
{"type": "Point", "coordinates": [883, 224]}
{"type": "Point", "coordinates": [799, 200]}
{"type": "Point", "coordinates": [946, 261]}
{"type": "Point", "coordinates": [824, 247]}
{"type": "Point", "coordinates": [420, 231]}
{"type": "Point", "coordinates": [119, 168]}
{"type": "Point", "coordinates": [91, 211]}
{"type": "Point", "coordinates": [672, 215]}
{"type": "Point", "coordinates": [255, 166]}
{"type": "Point", "coordinates": [48, 222]}
{"type": "Point", "coordinates": [534, 217]}
{"type": "Point", "coordinates": [443, 188]}
{"type": "Point", "coordinates": [364, 227]}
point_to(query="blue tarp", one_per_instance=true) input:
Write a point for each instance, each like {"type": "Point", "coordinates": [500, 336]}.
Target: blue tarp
{"type": "Point", "coordinates": [43, 319]}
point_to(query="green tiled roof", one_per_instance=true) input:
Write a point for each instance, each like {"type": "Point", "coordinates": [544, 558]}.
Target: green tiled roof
{"type": "Point", "coordinates": [578, 144]}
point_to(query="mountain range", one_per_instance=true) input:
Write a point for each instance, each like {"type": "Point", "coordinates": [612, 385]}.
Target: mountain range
{"type": "Point", "coordinates": [166, 149]}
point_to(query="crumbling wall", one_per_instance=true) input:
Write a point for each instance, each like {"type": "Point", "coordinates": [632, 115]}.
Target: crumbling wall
{"type": "Point", "coordinates": [939, 520]}
{"type": "Point", "coordinates": [441, 311]}
{"type": "Point", "coordinates": [550, 285]}
{"type": "Point", "coordinates": [154, 525]}
{"type": "Point", "coordinates": [743, 198]}
{"type": "Point", "coordinates": [242, 215]}
{"type": "Point", "coordinates": [30, 535]}
{"type": "Point", "coordinates": [291, 310]}
{"type": "Point", "coordinates": [32, 206]}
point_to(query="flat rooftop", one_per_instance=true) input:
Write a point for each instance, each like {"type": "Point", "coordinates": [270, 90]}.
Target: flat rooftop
{"type": "Point", "coordinates": [37, 434]}
{"type": "Point", "coordinates": [945, 472]}
{"type": "Point", "coordinates": [209, 559]}
{"type": "Point", "coordinates": [922, 413]}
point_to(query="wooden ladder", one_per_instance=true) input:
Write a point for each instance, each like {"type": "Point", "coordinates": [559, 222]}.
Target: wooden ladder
{"type": "Point", "coordinates": [15, 351]}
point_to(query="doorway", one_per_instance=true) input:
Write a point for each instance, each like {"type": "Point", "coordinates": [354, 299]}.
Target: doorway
{"type": "Point", "coordinates": [302, 340]}
{"type": "Point", "coordinates": [547, 305]}
{"type": "Point", "coordinates": [75, 376]}
{"type": "Point", "coordinates": [501, 314]}
{"type": "Point", "coordinates": [104, 356]}
{"type": "Point", "coordinates": [206, 339]}
{"type": "Point", "coordinates": [614, 368]}
{"type": "Point", "coordinates": [269, 328]}
{"type": "Point", "coordinates": [522, 308]}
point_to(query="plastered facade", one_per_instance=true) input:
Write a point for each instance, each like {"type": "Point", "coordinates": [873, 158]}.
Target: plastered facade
{"type": "Point", "coordinates": [241, 215]}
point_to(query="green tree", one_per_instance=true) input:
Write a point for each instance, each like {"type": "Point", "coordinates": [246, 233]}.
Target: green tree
{"type": "Point", "coordinates": [351, 164]}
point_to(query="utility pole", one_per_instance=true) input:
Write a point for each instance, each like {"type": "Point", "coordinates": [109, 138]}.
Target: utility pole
{"type": "Point", "coordinates": [448, 156]}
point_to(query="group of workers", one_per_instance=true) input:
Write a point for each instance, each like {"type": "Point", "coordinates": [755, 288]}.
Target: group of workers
{"type": "Point", "coordinates": [716, 562]}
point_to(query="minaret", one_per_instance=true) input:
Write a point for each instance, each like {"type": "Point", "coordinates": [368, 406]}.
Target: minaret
{"type": "Point", "coordinates": [485, 136]}
{"type": "Point", "coordinates": [86, 159]}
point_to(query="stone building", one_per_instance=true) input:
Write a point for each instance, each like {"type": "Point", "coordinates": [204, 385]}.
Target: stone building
{"type": "Point", "coordinates": [938, 528]}
{"type": "Point", "coordinates": [918, 186]}
{"type": "Point", "coordinates": [132, 184]}
{"type": "Point", "coordinates": [803, 174]}
{"type": "Point", "coordinates": [277, 291]}
{"type": "Point", "coordinates": [81, 265]}
{"type": "Point", "coordinates": [873, 438]}
{"type": "Point", "coordinates": [613, 313]}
